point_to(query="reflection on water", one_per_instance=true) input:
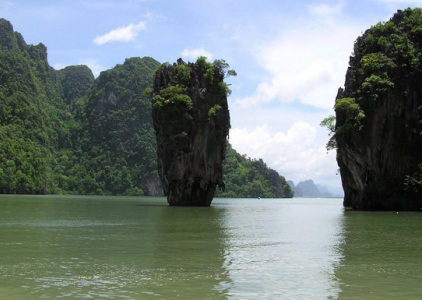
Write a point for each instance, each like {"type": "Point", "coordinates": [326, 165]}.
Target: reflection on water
{"type": "Point", "coordinates": [382, 256]}
{"type": "Point", "coordinates": [283, 248]}
{"type": "Point", "coordinates": [81, 247]}
{"type": "Point", "coordinates": [188, 251]}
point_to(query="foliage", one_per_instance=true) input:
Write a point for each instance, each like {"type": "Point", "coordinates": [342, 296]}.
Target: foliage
{"type": "Point", "coordinates": [213, 110]}
{"type": "Point", "coordinates": [330, 123]}
{"type": "Point", "coordinates": [375, 86]}
{"type": "Point", "coordinates": [74, 82]}
{"type": "Point", "coordinates": [385, 59]}
{"type": "Point", "coordinates": [61, 132]}
{"type": "Point", "coordinates": [413, 183]}
{"type": "Point", "coordinates": [245, 178]}
{"type": "Point", "coordinates": [117, 139]}
{"type": "Point", "coordinates": [376, 63]}
{"type": "Point", "coordinates": [31, 115]}
{"type": "Point", "coordinates": [223, 67]}
{"type": "Point", "coordinates": [174, 95]}
{"type": "Point", "coordinates": [387, 54]}
{"type": "Point", "coordinates": [353, 113]}
{"type": "Point", "coordinates": [184, 73]}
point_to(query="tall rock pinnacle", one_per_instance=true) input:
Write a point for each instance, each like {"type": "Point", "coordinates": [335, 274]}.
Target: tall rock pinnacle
{"type": "Point", "coordinates": [191, 120]}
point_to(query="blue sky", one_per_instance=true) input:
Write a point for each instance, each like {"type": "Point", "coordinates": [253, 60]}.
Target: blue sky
{"type": "Point", "coordinates": [290, 57]}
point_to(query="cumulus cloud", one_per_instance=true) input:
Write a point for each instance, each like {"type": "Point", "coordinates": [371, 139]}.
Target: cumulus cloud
{"type": "Point", "coordinates": [296, 153]}
{"type": "Point", "coordinates": [307, 63]}
{"type": "Point", "coordinates": [195, 53]}
{"type": "Point", "coordinates": [121, 34]}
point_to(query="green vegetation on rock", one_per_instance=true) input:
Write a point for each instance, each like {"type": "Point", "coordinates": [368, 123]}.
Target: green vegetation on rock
{"type": "Point", "coordinates": [119, 138]}
{"type": "Point", "coordinates": [74, 81]}
{"type": "Point", "coordinates": [32, 121]}
{"type": "Point", "coordinates": [64, 132]}
{"type": "Point", "coordinates": [247, 178]}
{"type": "Point", "coordinates": [377, 128]}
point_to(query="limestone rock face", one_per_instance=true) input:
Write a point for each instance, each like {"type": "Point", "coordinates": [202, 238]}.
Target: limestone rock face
{"type": "Point", "coordinates": [191, 120]}
{"type": "Point", "coordinates": [378, 117]}
{"type": "Point", "coordinates": [374, 163]}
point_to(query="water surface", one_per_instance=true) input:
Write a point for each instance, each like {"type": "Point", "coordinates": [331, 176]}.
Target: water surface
{"type": "Point", "coordinates": [140, 248]}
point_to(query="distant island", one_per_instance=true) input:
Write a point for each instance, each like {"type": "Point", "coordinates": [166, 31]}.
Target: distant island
{"type": "Point", "coordinates": [66, 132]}
{"type": "Point", "coordinates": [308, 189]}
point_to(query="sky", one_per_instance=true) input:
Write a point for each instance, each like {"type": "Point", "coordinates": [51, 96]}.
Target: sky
{"type": "Point", "coordinates": [291, 57]}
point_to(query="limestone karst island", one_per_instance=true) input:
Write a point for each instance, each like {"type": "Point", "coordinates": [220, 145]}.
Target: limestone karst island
{"type": "Point", "coordinates": [192, 122]}
{"type": "Point", "coordinates": [169, 149]}
{"type": "Point", "coordinates": [378, 128]}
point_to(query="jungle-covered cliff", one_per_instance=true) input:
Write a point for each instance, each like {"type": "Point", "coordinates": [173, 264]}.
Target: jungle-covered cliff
{"type": "Point", "coordinates": [118, 135]}
{"type": "Point", "coordinates": [66, 132]}
{"type": "Point", "coordinates": [33, 118]}
{"type": "Point", "coordinates": [63, 131]}
{"type": "Point", "coordinates": [378, 132]}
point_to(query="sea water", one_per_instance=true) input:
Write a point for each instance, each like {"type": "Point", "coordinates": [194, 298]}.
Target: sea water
{"type": "Point", "coordinates": [140, 248]}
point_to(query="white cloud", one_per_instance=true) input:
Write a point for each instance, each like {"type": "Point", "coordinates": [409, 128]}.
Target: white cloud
{"type": "Point", "coordinates": [325, 10]}
{"type": "Point", "coordinates": [195, 53]}
{"type": "Point", "coordinates": [296, 154]}
{"type": "Point", "coordinates": [307, 63]}
{"type": "Point", "coordinates": [121, 34]}
{"type": "Point", "coordinates": [94, 65]}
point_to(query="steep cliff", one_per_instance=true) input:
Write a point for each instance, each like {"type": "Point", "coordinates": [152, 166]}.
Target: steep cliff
{"type": "Point", "coordinates": [31, 115]}
{"type": "Point", "coordinates": [191, 120]}
{"type": "Point", "coordinates": [378, 117]}
{"type": "Point", "coordinates": [120, 138]}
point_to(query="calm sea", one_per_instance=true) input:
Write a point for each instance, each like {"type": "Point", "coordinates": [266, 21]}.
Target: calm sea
{"type": "Point", "coordinates": [140, 248]}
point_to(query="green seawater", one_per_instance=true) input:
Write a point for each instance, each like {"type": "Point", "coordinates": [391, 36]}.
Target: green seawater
{"type": "Point", "coordinates": [140, 248]}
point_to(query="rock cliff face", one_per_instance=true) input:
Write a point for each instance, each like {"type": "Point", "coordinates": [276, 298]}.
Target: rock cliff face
{"type": "Point", "coordinates": [378, 117]}
{"type": "Point", "coordinates": [191, 120]}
